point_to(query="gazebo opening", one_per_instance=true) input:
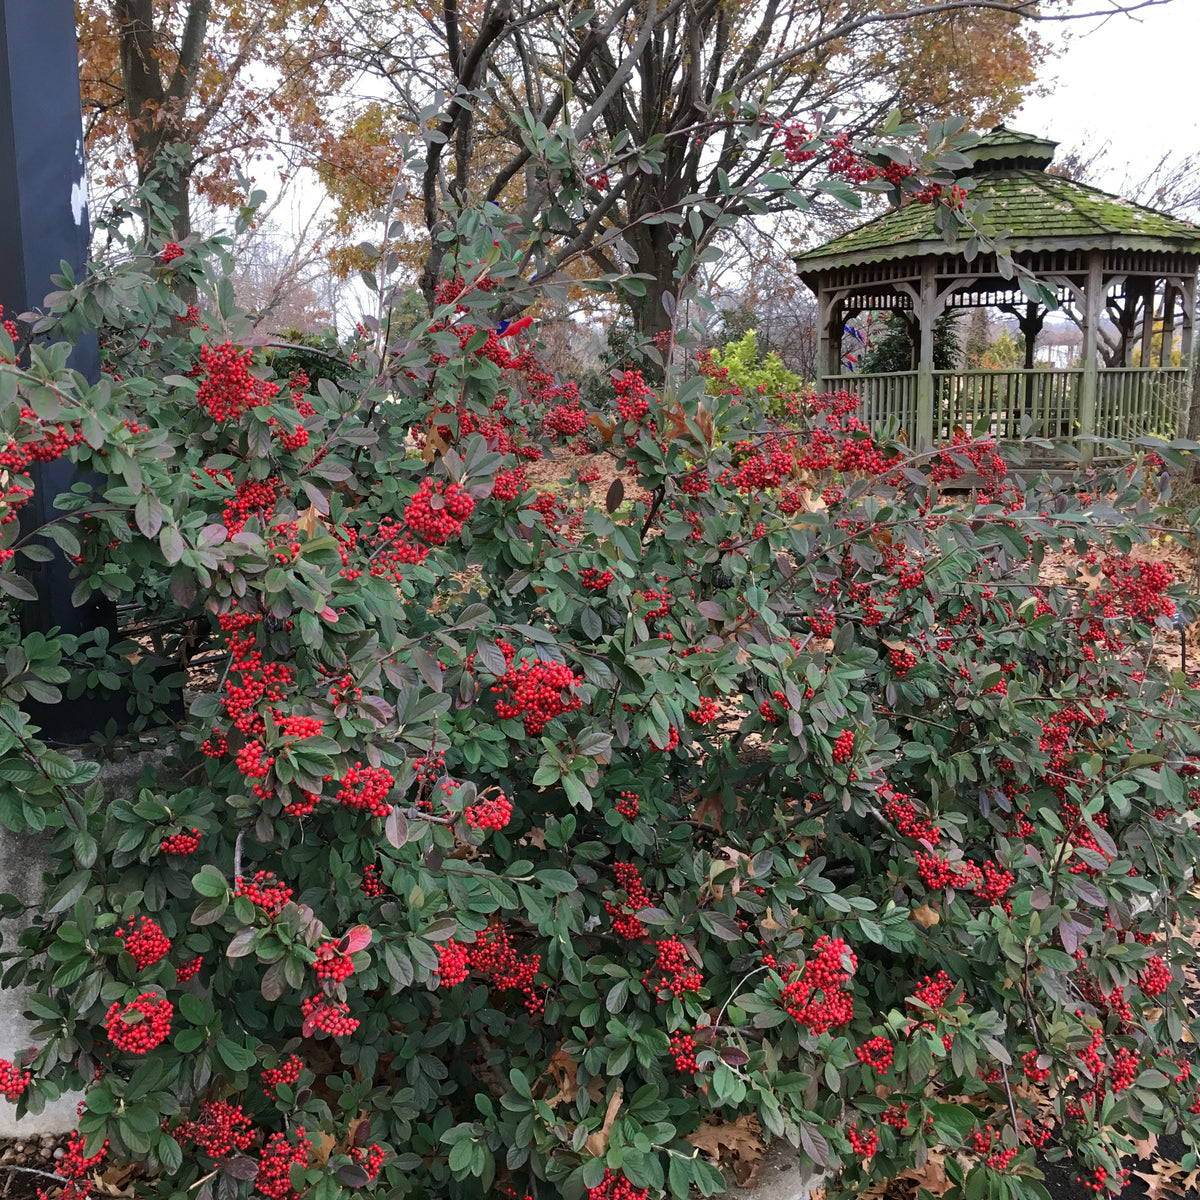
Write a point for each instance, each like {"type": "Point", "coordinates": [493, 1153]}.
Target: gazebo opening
{"type": "Point", "coordinates": [1125, 277]}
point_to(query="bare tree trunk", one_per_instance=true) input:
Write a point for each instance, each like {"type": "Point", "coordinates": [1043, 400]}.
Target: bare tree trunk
{"type": "Point", "coordinates": [156, 107]}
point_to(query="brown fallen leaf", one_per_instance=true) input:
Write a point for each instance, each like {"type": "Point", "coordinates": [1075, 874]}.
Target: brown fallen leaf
{"type": "Point", "coordinates": [323, 1148]}
{"type": "Point", "coordinates": [1160, 1185]}
{"type": "Point", "coordinates": [597, 1143]}
{"type": "Point", "coordinates": [308, 521]}
{"type": "Point", "coordinates": [925, 916]}
{"type": "Point", "coordinates": [564, 1071]}
{"type": "Point", "coordinates": [1146, 1146]}
{"type": "Point", "coordinates": [931, 1175]}
{"type": "Point", "coordinates": [434, 444]}
{"type": "Point", "coordinates": [605, 427]}
{"type": "Point", "coordinates": [727, 1140]}
{"type": "Point", "coordinates": [709, 806]}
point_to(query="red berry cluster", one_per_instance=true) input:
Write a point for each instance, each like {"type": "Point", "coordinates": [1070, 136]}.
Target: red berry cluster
{"type": "Point", "coordinates": [287, 1072]}
{"type": "Point", "coordinates": [902, 661]}
{"type": "Point", "coordinates": [632, 402]}
{"type": "Point", "coordinates": [181, 844]}
{"type": "Point", "coordinates": [170, 252]}
{"type": "Point", "coordinates": [74, 1168]}
{"type": "Point", "coordinates": [493, 813]}
{"type": "Point", "coordinates": [595, 581]}
{"type": "Point", "coordinates": [863, 1144]}
{"type": "Point", "coordinates": [994, 886]}
{"type": "Point", "coordinates": [269, 893]}
{"type": "Point", "coordinates": [301, 727]}
{"type": "Point", "coordinates": [568, 419]}
{"type": "Point", "coordinates": [683, 1050]}
{"type": "Point", "coordinates": [367, 787]}
{"type": "Point", "coordinates": [822, 623]}
{"type": "Point", "coordinates": [1097, 1181]}
{"type": "Point", "coordinates": [843, 746]}
{"type": "Point", "coordinates": [145, 941]}
{"type": "Point", "coordinates": [140, 1025]}
{"type": "Point", "coordinates": [275, 1165]}
{"type": "Point", "coordinates": [12, 1080]}
{"type": "Point", "coordinates": [815, 998]}
{"type": "Point", "coordinates": [707, 711]}
{"type": "Point", "coordinates": [330, 1016]}
{"type": "Point", "coordinates": [877, 1053]}
{"type": "Point", "coordinates": [986, 1141]}
{"type": "Point", "coordinates": [1124, 1069]}
{"type": "Point", "coordinates": [775, 709]}
{"type": "Point", "coordinates": [896, 1116]}
{"type": "Point", "coordinates": [454, 963]}
{"type": "Point", "coordinates": [508, 485]}
{"type": "Point", "coordinates": [436, 513]}
{"type": "Point", "coordinates": [902, 813]}
{"type": "Point", "coordinates": [625, 924]}
{"type": "Point", "coordinates": [492, 954]}
{"type": "Point", "coordinates": [675, 971]}
{"type": "Point", "coordinates": [798, 144]}
{"type": "Point", "coordinates": [371, 1161]}
{"type": "Point", "coordinates": [535, 692]}
{"type": "Point", "coordinates": [1034, 1072]}
{"type": "Point", "coordinates": [1137, 586]}
{"type": "Point", "coordinates": [937, 871]}
{"type": "Point", "coordinates": [616, 1187]}
{"type": "Point", "coordinates": [672, 741]}
{"type": "Point", "coordinates": [187, 970]}
{"type": "Point", "coordinates": [332, 964]}
{"type": "Point", "coordinates": [1156, 977]}
{"type": "Point", "coordinates": [228, 389]}
{"type": "Point", "coordinates": [253, 760]}
{"type": "Point", "coordinates": [627, 805]}
{"type": "Point", "coordinates": [220, 1129]}
{"type": "Point", "coordinates": [372, 884]}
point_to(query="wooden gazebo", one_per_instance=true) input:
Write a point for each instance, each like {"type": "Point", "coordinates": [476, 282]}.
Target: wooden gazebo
{"type": "Point", "coordinates": [1125, 274]}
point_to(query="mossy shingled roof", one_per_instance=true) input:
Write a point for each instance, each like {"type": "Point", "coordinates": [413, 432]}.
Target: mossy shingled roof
{"type": "Point", "coordinates": [1031, 208]}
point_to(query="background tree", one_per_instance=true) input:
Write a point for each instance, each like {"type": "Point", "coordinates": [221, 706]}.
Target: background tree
{"type": "Point", "coordinates": [975, 343]}
{"type": "Point", "coordinates": [223, 81]}
{"type": "Point", "coordinates": [642, 135]}
{"type": "Point", "coordinates": [892, 348]}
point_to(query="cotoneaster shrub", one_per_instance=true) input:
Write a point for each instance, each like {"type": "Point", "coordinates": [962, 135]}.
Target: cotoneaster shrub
{"type": "Point", "coordinates": [507, 844]}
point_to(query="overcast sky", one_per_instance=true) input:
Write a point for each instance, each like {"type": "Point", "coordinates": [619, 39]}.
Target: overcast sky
{"type": "Point", "coordinates": [1130, 81]}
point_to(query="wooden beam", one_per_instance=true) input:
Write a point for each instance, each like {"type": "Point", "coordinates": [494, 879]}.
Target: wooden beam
{"type": "Point", "coordinates": [1168, 325]}
{"type": "Point", "coordinates": [1148, 293]}
{"type": "Point", "coordinates": [1095, 291]}
{"type": "Point", "coordinates": [926, 313]}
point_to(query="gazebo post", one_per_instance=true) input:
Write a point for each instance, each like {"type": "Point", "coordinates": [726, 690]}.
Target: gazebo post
{"type": "Point", "coordinates": [829, 312]}
{"type": "Point", "coordinates": [1090, 353]}
{"type": "Point", "coordinates": [1148, 323]}
{"type": "Point", "coordinates": [1168, 327]}
{"type": "Point", "coordinates": [925, 318]}
{"type": "Point", "coordinates": [1187, 319]}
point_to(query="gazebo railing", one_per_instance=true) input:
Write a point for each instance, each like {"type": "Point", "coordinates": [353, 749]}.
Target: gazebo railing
{"type": "Point", "coordinates": [888, 397]}
{"type": "Point", "coordinates": [1140, 401]}
{"type": "Point", "coordinates": [1130, 402]}
{"type": "Point", "coordinates": [996, 403]}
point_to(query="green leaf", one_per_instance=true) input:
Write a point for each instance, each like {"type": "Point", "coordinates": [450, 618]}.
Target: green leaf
{"type": "Point", "coordinates": [557, 881]}
{"type": "Point", "coordinates": [208, 881]}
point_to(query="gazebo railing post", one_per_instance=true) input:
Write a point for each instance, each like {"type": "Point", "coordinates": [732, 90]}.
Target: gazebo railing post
{"type": "Point", "coordinates": [1090, 383]}
{"type": "Point", "coordinates": [925, 378]}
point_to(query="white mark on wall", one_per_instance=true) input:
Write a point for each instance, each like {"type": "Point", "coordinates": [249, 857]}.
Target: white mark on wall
{"type": "Point", "coordinates": [79, 189]}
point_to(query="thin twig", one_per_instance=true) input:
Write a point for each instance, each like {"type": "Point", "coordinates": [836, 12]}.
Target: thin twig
{"type": "Point", "coordinates": [1012, 1105]}
{"type": "Point", "coordinates": [35, 1171]}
